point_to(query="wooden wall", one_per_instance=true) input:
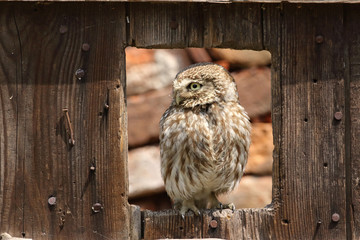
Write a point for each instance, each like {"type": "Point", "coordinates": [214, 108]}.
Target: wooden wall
{"type": "Point", "coordinates": [315, 88]}
{"type": "Point", "coordinates": [41, 49]}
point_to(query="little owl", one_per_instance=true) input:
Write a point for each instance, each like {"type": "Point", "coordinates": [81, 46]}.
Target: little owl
{"type": "Point", "coordinates": [204, 138]}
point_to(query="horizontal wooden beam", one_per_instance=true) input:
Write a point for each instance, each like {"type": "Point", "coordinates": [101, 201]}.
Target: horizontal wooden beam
{"type": "Point", "coordinates": [224, 224]}
{"type": "Point", "coordinates": [199, 1]}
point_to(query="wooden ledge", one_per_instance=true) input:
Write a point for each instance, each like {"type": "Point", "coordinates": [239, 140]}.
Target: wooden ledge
{"type": "Point", "coordinates": [194, 1]}
{"type": "Point", "coordinates": [224, 224]}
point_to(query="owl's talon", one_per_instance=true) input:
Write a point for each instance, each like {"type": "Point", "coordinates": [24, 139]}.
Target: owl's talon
{"type": "Point", "coordinates": [220, 206]}
{"type": "Point", "coordinates": [189, 206]}
{"type": "Point", "coordinates": [230, 206]}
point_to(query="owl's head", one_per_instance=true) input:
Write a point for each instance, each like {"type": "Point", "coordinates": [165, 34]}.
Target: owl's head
{"type": "Point", "coordinates": [203, 83]}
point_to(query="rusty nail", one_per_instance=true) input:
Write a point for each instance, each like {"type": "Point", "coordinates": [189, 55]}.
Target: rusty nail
{"type": "Point", "coordinates": [319, 38]}
{"type": "Point", "coordinates": [338, 115]}
{"type": "Point", "coordinates": [174, 25]}
{"type": "Point", "coordinates": [85, 47]}
{"type": "Point", "coordinates": [63, 29]}
{"type": "Point", "coordinates": [97, 207]}
{"type": "Point", "coordinates": [71, 140]}
{"type": "Point", "coordinates": [335, 217]}
{"type": "Point", "coordinates": [213, 223]}
{"type": "Point", "coordinates": [52, 201]}
{"type": "Point", "coordinates": [80, 73]}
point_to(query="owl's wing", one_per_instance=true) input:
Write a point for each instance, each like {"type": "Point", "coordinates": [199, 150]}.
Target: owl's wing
{"type": "Point", "coordinates": [231, 144]}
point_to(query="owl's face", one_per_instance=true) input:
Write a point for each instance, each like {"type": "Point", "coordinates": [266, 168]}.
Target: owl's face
{"type": "Point", "coordinates": [202, 84]}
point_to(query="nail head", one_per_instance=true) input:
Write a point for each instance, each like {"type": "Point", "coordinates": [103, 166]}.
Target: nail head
{"type": "Point", "coordinates": [97, 207]}
{"type": "Point", "coordinates": [338, 115]}
{"type": "Point", "coordinates": [319, 38]}
{"type": "Point", "coordinates": [335, 217]}
{"type": "Point", "coordinates": [85, 47]}
{"type": "Point", "coordinates": [63, 29]}
{"type": "Point", "coordinates": [52, 201]}
{"type": "Point", "coordinates": [213, 223]}
{"type": "Point", "coordinates": [80, 73]}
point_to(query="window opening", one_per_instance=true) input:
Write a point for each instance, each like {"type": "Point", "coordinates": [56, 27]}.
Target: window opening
{"type": "Point", "coordinates": [150, 73]}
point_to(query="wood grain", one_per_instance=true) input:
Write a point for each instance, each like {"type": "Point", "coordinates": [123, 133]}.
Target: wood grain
{"type": "Point", "coordinates": [309, 158]}
{"type": "Point", "coordinates": [180, 25]}
{"type": "Point", "coordinates": [315, 59]}
{"type": "Point", "coordinates": [41, 49]}
{"type": "Point", "coordinates": [312, 75]}
{"type": "Point", "coordinates": [352, 121]}
{"type": "Point", "coordinates": [201, 1]}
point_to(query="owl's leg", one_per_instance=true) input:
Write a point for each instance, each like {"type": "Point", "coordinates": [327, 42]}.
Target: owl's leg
{"type": "Point", "coordinates": [215, 203]}
{"type": "Point", "coordinates": [177, 205]}
{"type": "Point", "coordinates": [187, 205]}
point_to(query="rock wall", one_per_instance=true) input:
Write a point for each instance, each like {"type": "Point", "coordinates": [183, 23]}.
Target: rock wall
{"type": "Point", "coordinates": [149, 77]}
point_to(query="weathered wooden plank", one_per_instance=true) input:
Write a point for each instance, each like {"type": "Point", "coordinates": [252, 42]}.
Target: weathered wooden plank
{"type": "Point", "coordinates": [11, 177]}
{"type": "Point", "coordinates": [200, 1]}
{"type": "Point", "coordinates": [241, 224]}
{"type": "Point", "coordinates": [352, 118]}
{"type": "Point", "coordinates": [180, 25]}
{"type": "Point", "coordinates": [41, 49]}
{"type": "Point", "coordinates": [312, 188]}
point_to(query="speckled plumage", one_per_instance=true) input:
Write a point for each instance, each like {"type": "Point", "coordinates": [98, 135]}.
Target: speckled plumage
{"type": "Point", "coordinates": [204, 138]}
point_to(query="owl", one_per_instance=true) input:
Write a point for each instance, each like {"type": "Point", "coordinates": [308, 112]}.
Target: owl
{"type": "Point", "coordinates": [204, 138]}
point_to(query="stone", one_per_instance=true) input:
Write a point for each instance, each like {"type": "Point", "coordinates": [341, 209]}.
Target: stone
{"type": "Point", "coordinates": [148, 70]}
{"type": "Point", "coordinates": [144, 172]}
{"type": "Point", "coordinates": [260, 158]}
{"type": "Point", "coordinates": [254, 87]}
{"type": "Point", "coordinates": [241, 58]}
{"type": "Point", "coordinates": [252, 192]}
{"type": "Point", "coordinates": [144, 113]}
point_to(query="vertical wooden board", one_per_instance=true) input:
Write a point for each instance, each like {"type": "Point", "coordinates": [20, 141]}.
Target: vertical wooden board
{"type": "Point", "coordinates": [312, 84]}
{"type": "Point", "coordinates": [353, 116]}
{"type": "Point", "coordinates": [50, 50]}
{"type": "Point", "coordinates": [180, 25]}
{"type": "Point", "coordinates": [272, 32]}
{"type": "Point", "coordinates": [11, 178]}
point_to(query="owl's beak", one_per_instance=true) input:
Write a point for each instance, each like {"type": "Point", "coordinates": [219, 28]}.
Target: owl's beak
{"type": "Point", "coordinates": [178, 99]}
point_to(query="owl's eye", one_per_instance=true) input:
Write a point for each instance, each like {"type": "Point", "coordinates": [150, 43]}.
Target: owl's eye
{"type": "Point", "coordinates": [194, 86]}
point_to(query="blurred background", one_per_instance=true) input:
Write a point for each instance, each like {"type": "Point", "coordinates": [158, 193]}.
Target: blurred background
{"type": "Point", "coordinates": [150, 73]}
